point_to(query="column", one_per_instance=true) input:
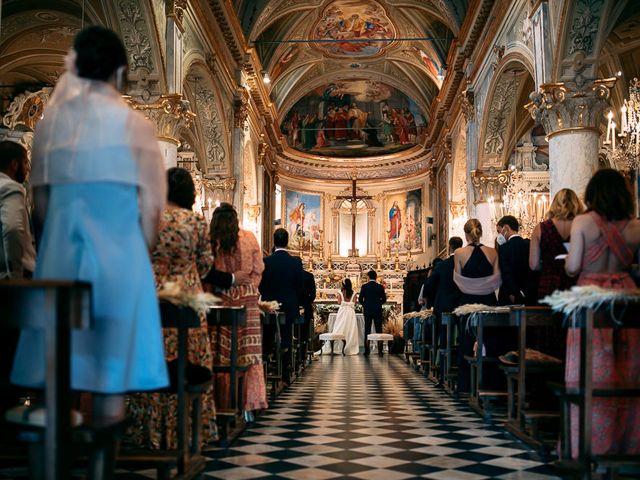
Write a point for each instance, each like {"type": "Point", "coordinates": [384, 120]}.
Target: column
{"type": "Point", "coordinates": [240, 114]}
{"type": "Point", "coordinates": [335, 230]}
{"type": "Point", "coordinates": [371, 220]}
{"type": "Point", "coordinates": [541, 27]}
{"type": "Point", "coordinates": [571, 118]}
{"type": "Point", "coordinates": [488, 189]}
{"type": "Point", "coordinates": [174, 40]}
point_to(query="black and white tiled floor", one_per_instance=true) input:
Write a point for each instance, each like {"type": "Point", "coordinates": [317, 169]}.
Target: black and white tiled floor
{"type": "Point", "coordinates": [369, 418]}
{"type": "Point", "coordinates": [372, 418]}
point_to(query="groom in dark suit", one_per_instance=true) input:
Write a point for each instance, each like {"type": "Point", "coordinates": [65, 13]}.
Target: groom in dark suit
{"type": "Point", "coordinates": [372, 297]}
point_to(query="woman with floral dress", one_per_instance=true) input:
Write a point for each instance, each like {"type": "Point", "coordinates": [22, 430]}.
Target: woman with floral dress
{"type": "Point", "coordinates": [182, 255]}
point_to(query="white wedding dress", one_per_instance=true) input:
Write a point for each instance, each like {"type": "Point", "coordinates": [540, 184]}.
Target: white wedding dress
{"type": "Point", "coordinates": [347, 324]}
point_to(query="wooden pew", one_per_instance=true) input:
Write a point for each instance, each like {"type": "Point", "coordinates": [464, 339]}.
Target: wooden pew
{"type": "Point", "coordinates": [523, 421]}
{"type": "Point", "coordinates": [70, 308]}
{"type": "Point", "coordinates": [273, 359]}
{"type": "Point", "coordinates": [449, 353]}
{"type": "Point", "coordinates": [582, 393]}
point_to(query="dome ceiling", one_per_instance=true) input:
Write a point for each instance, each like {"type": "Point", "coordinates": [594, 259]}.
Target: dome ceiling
{"type": "Point", "coordinates": [379, 64]}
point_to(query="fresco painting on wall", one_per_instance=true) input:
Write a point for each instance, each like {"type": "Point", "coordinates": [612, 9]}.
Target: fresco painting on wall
{"type": "Point", "coordinates": [354, 118]}
{"type": "Point", "coordinates": [404, 221]}
{"type": "Point", "coordinates": [303, 220]}
{"type": "Point", "coordinates": [353, 28]}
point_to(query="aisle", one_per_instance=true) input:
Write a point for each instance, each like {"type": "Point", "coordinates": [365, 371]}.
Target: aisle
{"type": "Point", "coordinates": [372, 418]}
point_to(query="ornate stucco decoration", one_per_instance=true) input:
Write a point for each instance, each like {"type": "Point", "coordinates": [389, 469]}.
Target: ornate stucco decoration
{"type": "Point", "coordinates": [26, 109]}
{"type": "Point", "coordinates": [489, 184]}
{"type": "Point", "coordinates": [562, 107]}
{"type": "Point", "coordinates": [169, 114]}
{"type": "Point", "coordinates": [467, 102]}
{"type": "Point", "coordinates": [135, 35]}
{"type": "Point", "coordinates": [502, 103]}
{"type": "Point", "coordinates": [584, 26]}
{"type": "Point", "coordinates": [240, 107]}
{"type": "Point", "coordinates": [218, 183]}
{"type": "Point", "coordinates": [211, 125]}
{"type": "Point", "coordinates": [176, 9]}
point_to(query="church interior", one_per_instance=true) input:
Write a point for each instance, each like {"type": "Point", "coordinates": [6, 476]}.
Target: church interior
{"type": "Point", "coordinates": [371, 131]}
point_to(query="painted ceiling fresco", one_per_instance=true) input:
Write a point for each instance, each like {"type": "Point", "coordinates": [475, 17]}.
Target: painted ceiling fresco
{"type": "Point", "coordinates": [353, 118]}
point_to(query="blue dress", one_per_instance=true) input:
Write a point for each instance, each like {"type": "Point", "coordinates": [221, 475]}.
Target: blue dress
{"type": "Point", "coordinates": [92, 232]}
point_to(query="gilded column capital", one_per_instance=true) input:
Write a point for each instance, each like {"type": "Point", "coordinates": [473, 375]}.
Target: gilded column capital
{"type": "Point", "coordinates": [240, 107]}
{"type": "Point", "coordinates": [169, 114]}
{"type": "Point", "coordinates": [458, 209]}
{"type": "Point", "coordinates": [560, 107]}
{"type": "Point", "coordinates": [489, 184]}
{"type": "Point", "coordinates": [176, 9]}
{"type": "Point", "coordinates": [228, 184]}
{"type": "Point", "coordinates": [371, 212]}
{"type": "Point", "coordinates": [467, 103]}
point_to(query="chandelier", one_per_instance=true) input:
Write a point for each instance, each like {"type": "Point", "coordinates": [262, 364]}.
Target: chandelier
{"type": "Point", "coordinates": [625, 150]}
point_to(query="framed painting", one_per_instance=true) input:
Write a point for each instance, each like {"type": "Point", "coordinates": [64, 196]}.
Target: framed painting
{"type": "Point", "coordinates": [303, 219]}
{"type": "Point", "coordinates": [404, 222]}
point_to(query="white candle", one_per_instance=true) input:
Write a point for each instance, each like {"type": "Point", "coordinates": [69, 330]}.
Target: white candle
{"type": "Point", "coordinates": [624, 120]}
{"type": "Point", "coordinates": [609, 116]}
{"type": "Point", "coordinates": [613, 135]}
{"type": "Point", "coordinates": [209, 203]}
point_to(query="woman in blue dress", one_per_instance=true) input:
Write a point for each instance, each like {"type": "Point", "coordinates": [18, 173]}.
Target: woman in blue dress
{"type": "Point", "coordinates": [99, 189]}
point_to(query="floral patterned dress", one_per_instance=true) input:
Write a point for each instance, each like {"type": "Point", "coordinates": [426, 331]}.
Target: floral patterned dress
{"type": "Point", "coordinates": [247, 259]}
{"type": "Point", "coordinates": [181, 255]}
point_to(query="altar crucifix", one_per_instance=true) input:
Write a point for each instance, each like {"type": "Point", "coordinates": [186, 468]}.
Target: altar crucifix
{"type": "Point", "coordinates": [354, 197]}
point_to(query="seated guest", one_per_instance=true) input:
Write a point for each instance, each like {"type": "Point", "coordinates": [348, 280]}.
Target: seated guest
{"type": "Point", "coordinates": [182, 255]}
{"type": "Point", "coordinates": [283, 281]}
{"type": "Point", "coordinates": [308, 298]}
{"type": "Point", "coordinates": [547, 242]}
{"type": "Point", "coordinates": [237, 251]}
{"type": "Point", "coordinates": [477, 275]}
{"type": "Point", "coordinates": [604, 242]}
{"type": "Point", "coordinates": [518, 282]}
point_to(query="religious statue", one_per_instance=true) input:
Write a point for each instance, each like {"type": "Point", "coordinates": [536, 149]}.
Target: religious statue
{"type": "Point", "coordinates": [395, 221]}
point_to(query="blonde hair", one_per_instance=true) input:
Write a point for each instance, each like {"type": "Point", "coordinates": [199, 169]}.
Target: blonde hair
{"type": "Point", "coordinates": [473, 229]}
{"type": "Point", "coordinates": [565, 205]}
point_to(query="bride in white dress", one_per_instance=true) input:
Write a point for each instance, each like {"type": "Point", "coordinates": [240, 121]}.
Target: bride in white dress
{"type": "Point", "coordinates": [346, 322]}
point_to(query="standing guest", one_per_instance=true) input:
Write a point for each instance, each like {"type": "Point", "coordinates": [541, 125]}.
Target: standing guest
{"type": "Point", "coordinates": [182, 255]}
{"type": "Point", "coordinates": [604, 241]}
{"type": "Point", "coordinates": [17, 253]}
{"type": "Point", "coordinates": [99, 191]}
{"type": "Point", "coordinates": [237, 251]}
{"type": "Point", "coordinates": [372, 297]}
{"type": "Point", "coordinates": [547, 242]}
{"type": "Point", "coordinates": [446, 292]}
{"type": "Point", "coordinates": [308, 297]}
{"type": "Point", "coordinates": [518, 282]}
{"type": "Point", "coordinates": [283, 281]}
{"type": "Point", "coordinates": [477, 275]}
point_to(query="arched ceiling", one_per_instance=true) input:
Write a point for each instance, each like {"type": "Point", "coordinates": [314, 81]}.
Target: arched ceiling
{"type": "Point", "coordinates": [323, 56]}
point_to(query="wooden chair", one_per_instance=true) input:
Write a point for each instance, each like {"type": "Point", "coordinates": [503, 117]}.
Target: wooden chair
{"type": "Point", "coordinates": [70, 308]}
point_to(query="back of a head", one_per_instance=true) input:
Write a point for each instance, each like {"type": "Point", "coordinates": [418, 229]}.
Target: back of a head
{"type": "Point", "coordinates": [280, 238]}
{"type": "Point", "coordinates": [100, 52]}
{"type": "Point", "coordinates": [181, 189]}
{"type": "Point", "coordinates": [510, 221]}
{"type": "Point", "coordinates": [455, 243]}
{"type": "Point", "coordinates": [473, 229]}
{"type": "Point", "coordinates": [372, 274]}
{"type": "Point", "coordinates": [348, 288]}
{"type": "Point", "coordinates": [609, 194]}
{"type": "Point", "coordinates": [435, 262]}
{"type": "Point", "coordinates": [565, 205]}
{"type": "Point", "coordinates": [225, 228]}
{"type": "Point", "coordinates": [10, 151]}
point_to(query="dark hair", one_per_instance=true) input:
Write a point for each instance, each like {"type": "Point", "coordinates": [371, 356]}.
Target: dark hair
{"type": "Point", "coordinates": [372, 274]}
{"type": "Point", "coordinates": [348, 288]}
{"type": "Point", "coordinates": [609, 194]}
{"type": "Point", "coordinates": [455, 243]}
{"type": "Point", "coordinates": [510, 221]}
{"type": "Point", "coordinates": [10, 151]}
{"type": "Point", "coordinates": [224, 229]}
{"type": "Point", "coordinates": [280, 238]}
{"type": "Point", "coordinates": [182, 191]}
{"type": "Point", "coordinates": [100, 53]}
{"type": "Point", "coordinates": [436, 261]}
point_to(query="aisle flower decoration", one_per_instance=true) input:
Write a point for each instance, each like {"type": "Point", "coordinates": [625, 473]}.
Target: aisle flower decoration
{"type": "Point", "coordinates": [269, 307]}
{"type": "Point", "coordinates": [200, 302]}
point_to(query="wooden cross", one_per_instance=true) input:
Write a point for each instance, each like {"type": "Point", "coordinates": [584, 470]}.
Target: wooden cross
{"type": "Point", "coordinates": [354, 197]}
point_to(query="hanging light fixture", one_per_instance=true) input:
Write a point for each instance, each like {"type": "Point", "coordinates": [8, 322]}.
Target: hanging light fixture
{"type": "Point", "coordinates": [266, 78]}
{"type": "Point", "coordinates": [625, 149]}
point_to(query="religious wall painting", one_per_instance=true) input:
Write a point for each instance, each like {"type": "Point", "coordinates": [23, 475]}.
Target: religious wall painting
{"type": "Point", "coordinates": [353, 28]}
{"type": "Point", "coordinates": [303, 220]}
{"type": "Point", "coordinates": [354, 118]}
{"type": "Point", "coordinates": [404, 220]}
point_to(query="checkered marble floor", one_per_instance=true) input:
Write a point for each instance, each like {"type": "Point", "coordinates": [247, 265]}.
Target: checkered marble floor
{"type": "Point", "coordinates": [369, 418]}
{"type": "Point", "coordinates": [372, 418]}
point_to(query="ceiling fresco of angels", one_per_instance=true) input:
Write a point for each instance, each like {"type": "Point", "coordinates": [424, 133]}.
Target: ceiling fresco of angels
{"type": "Point", "coordinates": [354, 118]}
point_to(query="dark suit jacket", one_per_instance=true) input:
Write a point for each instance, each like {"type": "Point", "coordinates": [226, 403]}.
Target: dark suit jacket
{"type": "Point", "coordinates": [282, 280]}
{"type": "Point", "coordinates": [440, 284]}
{"type": "Point", "coordinates": [372, 297]}
{"type": "Point", "coordinates": [517, 278]}
{"type": "Point", "coordinates": [309, 294]}
{"type": "Point", "coordinates": [218, 278]}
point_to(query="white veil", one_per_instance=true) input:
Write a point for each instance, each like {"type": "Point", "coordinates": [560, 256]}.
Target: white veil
{"type": "Point", "coordinates": [89, 134]}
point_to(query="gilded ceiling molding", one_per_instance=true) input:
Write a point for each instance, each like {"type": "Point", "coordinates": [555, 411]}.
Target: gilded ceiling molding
{"type": "Point", "coordinates": [563, 107]}
{"type": "Point", "coordinates": [26, 109]}
{"type": "Point", "coordinates": [278, 9]}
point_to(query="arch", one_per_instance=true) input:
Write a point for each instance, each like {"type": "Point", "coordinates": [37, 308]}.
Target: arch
{"type": "Point", "coordinates": [507, 93]}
